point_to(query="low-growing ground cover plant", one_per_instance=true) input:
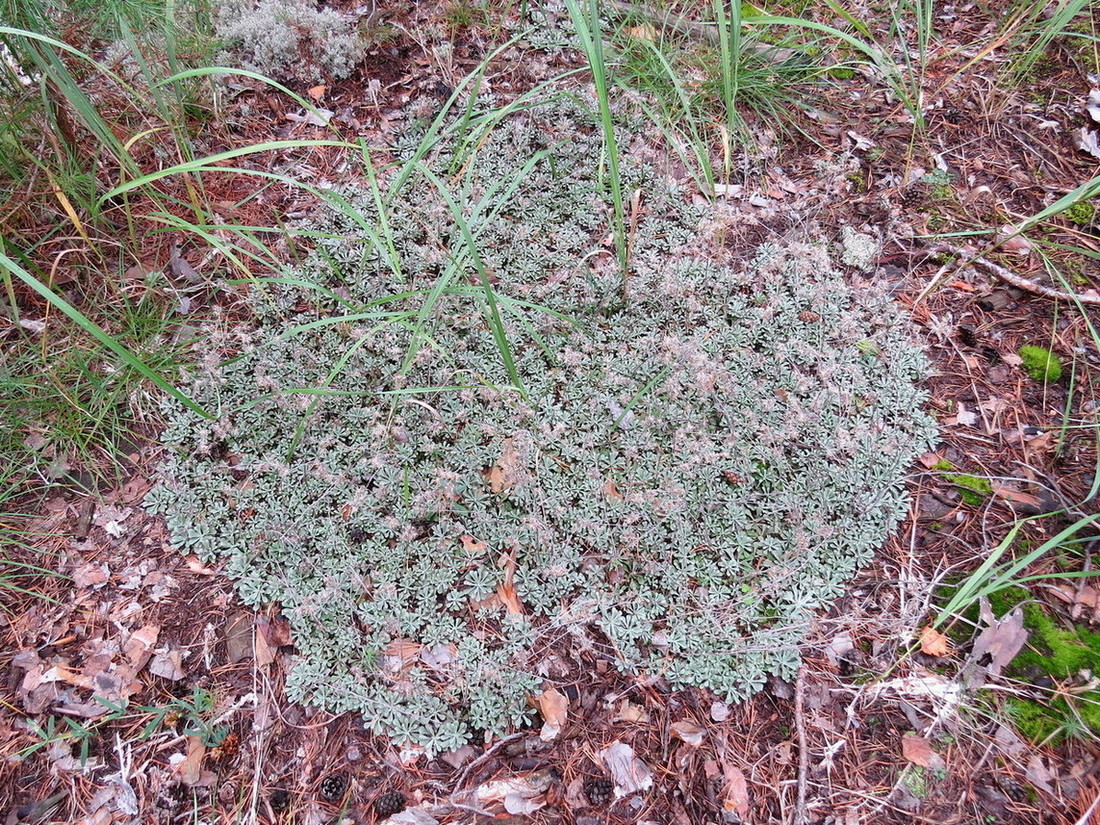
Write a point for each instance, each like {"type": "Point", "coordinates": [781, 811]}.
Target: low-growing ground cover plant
{"type": "Point", "coordinates": [679, 479]}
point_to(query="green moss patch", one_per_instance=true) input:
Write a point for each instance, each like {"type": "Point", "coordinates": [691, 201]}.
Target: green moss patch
{"type": "Point", "coordinates": [1081, 213]}
{"type": "Point", "coordinates": [972, 489]}
{"type": "Point", "coordinates": [1055, 653]}
{"type": "Point", "coordinates": [1040, 364]}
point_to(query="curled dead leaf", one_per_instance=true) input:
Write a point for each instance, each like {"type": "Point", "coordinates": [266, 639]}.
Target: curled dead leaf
{"type": "Point", "coordinates": [644, 32]}
{"type": "Point", "coordinates": [508, 471]}
{"type": "Point", "coordinates": [689, 732]}
{"type": "Point", "coordinates": [506, 591]}
{"type": "Point", "coordinates": [735, 793]}
{"type": "Point", "coordinates": [918, 750]}
{"type": "Point", "coordinates": [138, 648]}
{"type": "Point", "coordinates": [1076, 595]}
{"type": "Point", "coordinates": [611, 490]}
{"type": "Point", "coordinates": [554, 708]}
{"type": "Point", "coordinates": [189, 767]}
{"type": "Point", "coordinates": [1002, 638]}
{"type": "Point", "coordinates": [630, 712]}
{"type": "Point", "coordinates": [473, 546]}
{"type": "Point", "coordinates": [628, 772]}
{"type": "Point", "coordinates": [934, 643]}
{"type": "Point", "coordinates": [1025, 501]}
{"type": "Point", "coordinates": [196, 566]}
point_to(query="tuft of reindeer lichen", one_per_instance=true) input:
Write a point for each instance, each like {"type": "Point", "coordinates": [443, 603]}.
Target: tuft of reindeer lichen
{"type": "Point", "coordinates": [290, 39]}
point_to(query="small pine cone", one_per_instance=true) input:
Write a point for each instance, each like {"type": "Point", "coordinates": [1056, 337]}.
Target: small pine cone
{"type": "Point", "coordinates": [967, 335]}
{"type": "Point", "coordinates": [389, 803]}
{"type": "Point", "coordinates": [279, 800]}
{"type": "Point", "coordinates": [599, 790]}
{"type": "Point", "coordinates": [333, 787]}
{"type": "Point", "coordinates": [808, 317]}
{"type": "Point", "coordinates": [913, 196]}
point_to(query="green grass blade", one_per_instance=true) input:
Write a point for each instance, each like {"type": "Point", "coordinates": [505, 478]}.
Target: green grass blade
{"type": "Point", "coordinates": [210, 163]}
{"type": "Point", "coordinates": [496, 325]}
{"type": "Point", "coordinates": [587, 25]}
{"type": "Point", "coordinates": [90, 327]}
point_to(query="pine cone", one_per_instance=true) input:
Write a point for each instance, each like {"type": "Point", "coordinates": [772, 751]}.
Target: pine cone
{"type": "Point", "coordinates": [333, 787]}
{"type": "Point", "coordinates": [389, 803]}
{"type": "Point", "coordinates": [599, 790]}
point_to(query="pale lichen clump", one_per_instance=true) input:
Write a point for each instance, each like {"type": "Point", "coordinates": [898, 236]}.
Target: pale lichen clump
{"type": "Point", "coordinates": [679, 481]}
{"type": "Point", "coordinates": [290, 39]}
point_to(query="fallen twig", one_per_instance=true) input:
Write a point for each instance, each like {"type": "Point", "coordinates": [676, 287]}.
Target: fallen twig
{"type": "Point", "coordinates": [1010, 277]}
{"type": "Point", "coordinates": [800, 815]}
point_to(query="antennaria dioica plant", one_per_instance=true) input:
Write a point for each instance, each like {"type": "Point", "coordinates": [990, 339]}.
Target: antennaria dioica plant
{"type": "Point", "coordinates": [683, 481]}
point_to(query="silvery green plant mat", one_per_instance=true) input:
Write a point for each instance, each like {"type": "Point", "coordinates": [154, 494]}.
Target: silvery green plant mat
{"type": "Point", "coordinates": [677, 482]}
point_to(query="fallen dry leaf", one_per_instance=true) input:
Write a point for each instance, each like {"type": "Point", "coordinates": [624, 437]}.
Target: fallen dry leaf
{"type": "Point", "coordinates": [628, 772]}
{"type": "Point", "coordinates": [1013, 243]}
{"type": "Point", "coordinates": [238, 637]}
{"type": "Point", "coordinates": [1087, 140]}
{"type": "Point", "coordinates": [839, 647]}
{"type": "Point", "coordinates": [180, 266]}
{"type": "Point", "coordinates": [138, 648]}
{"type": "Point", "coordinates": [554, 707]}
{"type": "Point", "coordinates": [963, 416]}
{"type": "Point", "coordinates": [101, 817]}
{"type": "Point", "coordinates": [1001, 639]}
{"type": "Point", "coordinates": [472, 545]}
{"type": "Point", "coordinates": [277, 632]}
{"type": "Point", "coordinates": [91, 575]}
{"type": "Point", "coordinates": [196, 566]}
{"type": "Point", "coordinates": [189, 769]}
{"type": "Point", "coordinates": [518, 793]}
{"type": "Point", "coordinates": [930, 460]}
{"type": "Point", "coordinates": [918, 750]}
{"type": "Point", "coordinates": [399, 654]}
{"type": "Point", "coordinates": [689, 732]}
{"type": "Point", "coordinates": [496, 480]}
{"type": "Point", "coordinates": [1039, 775]}
{"type": "Point", "coordinates": [506, 591]}
{"type": "Point", "coordinates": [630, 712]}
{"type": "Point", "coordinates": [1078, 596]}
{"type": "Point", "coordinates": [264, 649]}
{"type": "Point", "coordinates": [507, 472]}
{"type": "Point", "coordinates": [168, 665]}
{"type": "Point", "coordinates": [1024, 501]}
{"type": "Point", "coordinates": [644, 32]}
{"type": "Point", "coordinates": [1092, 105]}
{"type": "Point", "coordinates": [735, 793]}
{"type": "Point", "coordinates": [934, 643]}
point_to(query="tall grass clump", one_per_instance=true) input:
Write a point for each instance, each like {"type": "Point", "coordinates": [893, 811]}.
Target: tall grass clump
{"type": "Point", "coordinates": [105, 179]}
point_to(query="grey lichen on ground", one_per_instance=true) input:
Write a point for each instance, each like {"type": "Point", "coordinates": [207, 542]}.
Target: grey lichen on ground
{"type": "Point", "coordinates": [289, 39]}
{"type": "Point", "coordinates": [682, 481]}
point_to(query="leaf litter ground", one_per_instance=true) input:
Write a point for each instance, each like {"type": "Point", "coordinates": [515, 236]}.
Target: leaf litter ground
{"type": "Point", "coordinates": [875, 736]}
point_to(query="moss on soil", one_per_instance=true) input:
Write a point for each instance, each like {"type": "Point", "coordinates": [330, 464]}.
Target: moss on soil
{"type": "Point", "coordinates": [974, 490]}
{"type": "Point", "coordinates": [1040, 363]}
{"type": "Point", "coordinates": [1058, 653]}
{"type": "Point", "coordinates": [1081, 213]}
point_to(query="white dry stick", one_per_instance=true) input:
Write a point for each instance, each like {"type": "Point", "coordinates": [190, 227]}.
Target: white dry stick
{"type": "Point", "coordinates": [800, 815]}
{"type": "Point", "coordinates": [1086, 817]}
{"type": "Point", "coordinates": [1010, 277]}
